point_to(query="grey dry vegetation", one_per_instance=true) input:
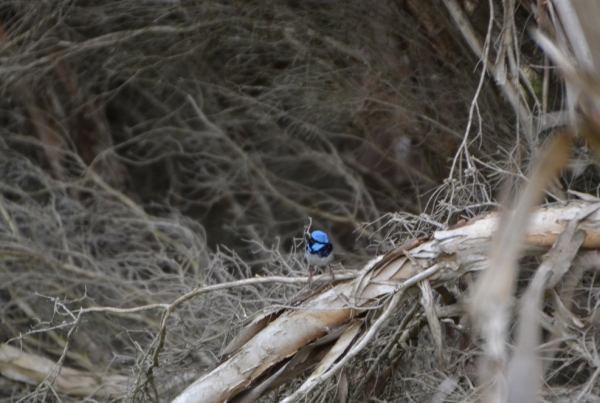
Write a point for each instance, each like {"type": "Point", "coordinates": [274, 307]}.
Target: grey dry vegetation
{"type": "Point", "coordinates": [156, 156]}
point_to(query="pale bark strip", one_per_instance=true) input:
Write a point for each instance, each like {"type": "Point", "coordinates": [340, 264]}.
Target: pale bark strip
{"type": "Point", "coordinates": [373, 331]}
{"type": "Point", "coordinates": [428, 304]}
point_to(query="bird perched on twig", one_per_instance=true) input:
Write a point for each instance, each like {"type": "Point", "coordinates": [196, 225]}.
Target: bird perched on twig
{"type": "Point", "coordinates": [319, 252]}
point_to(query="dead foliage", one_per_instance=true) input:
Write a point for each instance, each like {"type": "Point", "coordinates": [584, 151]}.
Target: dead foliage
{"type": "Point", "coordinates": [159, 160]}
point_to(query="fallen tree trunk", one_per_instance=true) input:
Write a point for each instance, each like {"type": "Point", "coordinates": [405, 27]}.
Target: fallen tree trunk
{"type": "Point", "coordinates": [276, 345]}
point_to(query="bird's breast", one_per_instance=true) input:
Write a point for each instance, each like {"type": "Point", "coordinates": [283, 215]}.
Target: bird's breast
{"type": "Point", "coordinates": [315, 259]}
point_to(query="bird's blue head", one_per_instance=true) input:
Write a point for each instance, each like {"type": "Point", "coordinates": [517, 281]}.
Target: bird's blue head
{"type": "Point", "coordinates": [320, 237]}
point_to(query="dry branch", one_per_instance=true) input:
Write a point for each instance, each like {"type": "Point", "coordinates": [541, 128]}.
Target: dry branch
{"type": "Point", "coordinates": [448, 256]}
{"type": "Point", "coordinates": [33, 369]}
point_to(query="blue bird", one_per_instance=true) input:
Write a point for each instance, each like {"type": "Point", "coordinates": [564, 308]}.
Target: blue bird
{"type": "Point", "coordinates": [319, 251]}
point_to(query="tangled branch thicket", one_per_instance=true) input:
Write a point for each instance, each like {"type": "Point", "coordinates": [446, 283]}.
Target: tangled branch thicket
{"type": "Point", "coordinates": [151, 148]}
